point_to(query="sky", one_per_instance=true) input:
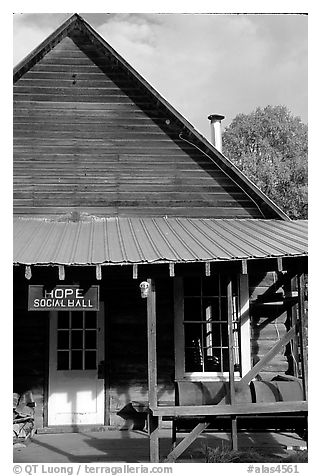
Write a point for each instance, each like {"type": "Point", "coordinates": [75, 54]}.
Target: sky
{"type": "Point", "coordinates": [200, 63]}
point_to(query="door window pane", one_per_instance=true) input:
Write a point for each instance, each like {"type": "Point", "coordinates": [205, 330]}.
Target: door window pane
{"type": "Point", "coordinates": [77, 320]}
{"type": "Point", "coordinates": [76, 360]}
{"type": "Point", "coordinates": [76, 339]}
{"type": "Point", "coordinates": [90, 359]}
{"type": "Point", "coordinates": [62, 360]}
{"type": "Point", "coordinates": [90, 320]}
{"type": "Point", "coordinates": [90, 339]}
{"type": "Point", "coordinates": [63, 340]}
{"type": "Point", "coordinates": [63, 320]}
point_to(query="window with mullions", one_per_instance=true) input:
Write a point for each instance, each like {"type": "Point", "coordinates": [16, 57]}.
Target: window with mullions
{"type": "Point", "coordinates": [205, 325]}
{"type": "Point", "coordinates": [77, 340]}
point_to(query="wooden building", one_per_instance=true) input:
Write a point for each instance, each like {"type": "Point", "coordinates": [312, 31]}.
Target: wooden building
{"type": "Point", "coordinates": [116, 196]}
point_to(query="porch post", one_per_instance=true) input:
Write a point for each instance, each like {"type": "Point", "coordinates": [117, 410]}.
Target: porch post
{"type": "Point", "coordinates": [231, 360]}
{"type": "Point", "coordinates": [302, 333]}
{"type": "Point", "coordinates": [153, 423]}
{"type": "Point", "coordinates": [292, 316]}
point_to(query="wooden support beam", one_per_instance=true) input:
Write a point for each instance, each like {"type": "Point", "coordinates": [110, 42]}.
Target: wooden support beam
{"type": "Point", "coordinates": [61, 272]}
{"type": "Point", "coordinates": [244, 319]}
{"type": "Point", "coordinates": [151, 344]}
{"type": "Point", "coordinates": [186, 442]}
{"type": "Point", "coordinates": [28, 273]}
{"type": "Point", "coordinates": [98, 272]}
{"type": "Point", "coordinates": [135, 271]}
{"type": "Point", "coordinates": [207, 269]}
{"type": "Point", "coordinates": [179, 327]}
{"type": "Point", "coordinates": [234, 441]}
{"type": "Point", "coordinates": [290, 291]}
{"type": "Point", "coordinates": [171, 270]}
{"type": "Point", "coordinates": [231, 360]}
{"type": "Point", "coordinates": [244, 266]}
{"type": "Point", "coordinates": [280, 265]}
{"type": "Point", "coordinates": [154, 423]}
{"type": "Point", "coordinates": [302, 334]}
{"type": "Point", "coordinates": [226, 410]}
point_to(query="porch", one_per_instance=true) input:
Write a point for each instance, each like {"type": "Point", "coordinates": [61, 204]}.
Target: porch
{"type": "Point", "coordinates": [133, 446]}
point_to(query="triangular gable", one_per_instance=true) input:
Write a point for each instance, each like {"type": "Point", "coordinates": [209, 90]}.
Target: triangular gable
{"type": "Point", "coordinates": [235, 195]}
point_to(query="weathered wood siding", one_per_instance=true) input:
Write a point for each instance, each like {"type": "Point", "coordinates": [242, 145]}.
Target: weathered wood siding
{"type": "Point", "coordinates": [87, 137]}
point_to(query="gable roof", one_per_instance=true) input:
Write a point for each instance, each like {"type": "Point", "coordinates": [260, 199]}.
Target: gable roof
{"type": "Point", "coordinates": [184, 129]}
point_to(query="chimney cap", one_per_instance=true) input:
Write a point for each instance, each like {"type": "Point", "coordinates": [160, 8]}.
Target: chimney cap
{"type": "Point", "coordinates": [216, 117]}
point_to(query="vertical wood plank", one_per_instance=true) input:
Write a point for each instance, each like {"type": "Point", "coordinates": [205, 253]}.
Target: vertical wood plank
{"type": "Point", "coordinates": [179, 327]}
{"type": "Point", "coordinates": [231, 360]}
{"type": "Point", "coordinates": [290, 287]}
{"type": "Point", "coordinates": [61, 272]}
{"type": "Point", "coordinates": [244, 318]}
{"type": "Point", "coordinates": [151, 344]}
{"type": "Point", "coordinates": [28, 273]}
{"type": "Point", "coordinates": [98, 272]}
{"type": "Point", "coordinates": [207, 268]}
{"type": "Point", "coordinates": [280, 265]}
{"type": "Point", "coordinates": [244, 266]}
{"type": "Point", "coordinates": [302, 333]}
{"type": "Point", "coordinates": [171, 270]}
{"type": "Point", "coordinates": [135, 271]}
{"type": "Point", "coordinates": [153, 431]}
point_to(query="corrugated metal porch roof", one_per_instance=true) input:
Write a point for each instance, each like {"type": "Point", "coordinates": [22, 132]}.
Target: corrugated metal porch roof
{"type": "Point", "coordinates": [116, 240]}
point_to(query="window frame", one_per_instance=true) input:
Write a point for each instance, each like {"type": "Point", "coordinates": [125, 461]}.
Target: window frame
{"type": "Point", "coordinates": [244, 334]}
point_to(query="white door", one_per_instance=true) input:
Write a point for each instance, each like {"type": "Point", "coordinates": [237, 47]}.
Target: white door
{"type": "Point", "coordinates": [76, 357]}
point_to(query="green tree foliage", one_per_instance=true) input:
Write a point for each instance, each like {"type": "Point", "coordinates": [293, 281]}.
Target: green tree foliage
{"type": "Point", "coordinates": [270, 146]}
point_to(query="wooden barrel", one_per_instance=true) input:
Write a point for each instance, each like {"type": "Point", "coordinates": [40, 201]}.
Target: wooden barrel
{"type": "Point", "coordinates": [209, 393]}
{"type": "Point", "coordinates": [198, 393]}
{"type": "Point", "coordinates": [276, 391]}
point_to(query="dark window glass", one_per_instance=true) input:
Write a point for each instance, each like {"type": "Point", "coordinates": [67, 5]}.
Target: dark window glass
{"type": "Point", "coordinates": [90, 359]}
{"type": "Point", "coordinates": [63, 340]}
{"type": "Point", "coordinates": [192, 287]}
{"type": "Point", "coordinates": [206, 343]}
{"type": "Point", "coordinates": [211, 309]}
{"type": "Point", "coordinates": [192, 309]}
{"type": "Point", "coordinates": [62, 360]}
{"type": "Point", "coordinates": [225, 360]}
{"type": "Point", "coordinates": [90, 320]}
{"type": "Point", "coordinates": [90, 339]}
{"type": "Point", "coordinates": [76, 360]}
{"type": "Point", "coordinates": [77, 320]}
{"type": "Point", "coordinates": [212, 361]}
{"type": "Point", "coordinates": [224, 331]}
{"type": "Point", "coordinates": [210, 286]}
{"type": "Point", "coordinates": [192, 333]}
{"type": "Point", "coordinates": [224, 309]}
{"type": "Point", "coordinates": [193, 362]}
{"type": "Point", "coordinates": [76, 339]}
{"type": "Point", "coordinates": [214, 331]}
{"type": "Point", "coordinates": [63, 320]}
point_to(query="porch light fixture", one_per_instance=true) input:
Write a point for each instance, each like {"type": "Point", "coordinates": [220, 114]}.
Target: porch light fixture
{"type": "Point", "coordinates": [144, 289]}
